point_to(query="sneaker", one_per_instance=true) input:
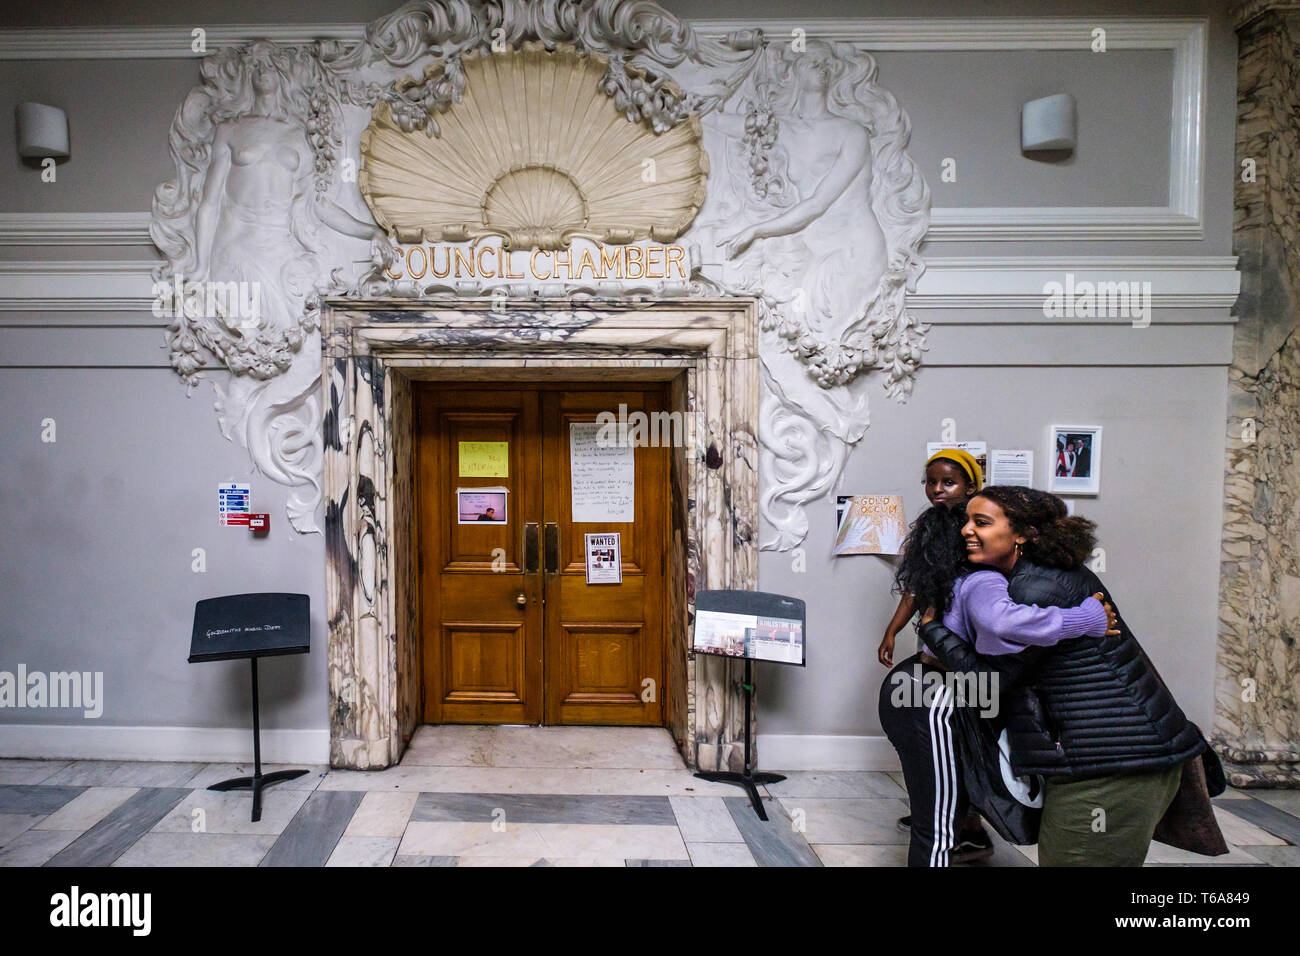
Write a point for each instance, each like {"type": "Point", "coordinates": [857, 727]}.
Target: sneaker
{"type": "Point", "coordinates": [974, 845]}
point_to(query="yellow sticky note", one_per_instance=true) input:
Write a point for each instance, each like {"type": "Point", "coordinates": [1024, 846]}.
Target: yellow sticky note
{"type": "Point", "coordinates": [484, 459]}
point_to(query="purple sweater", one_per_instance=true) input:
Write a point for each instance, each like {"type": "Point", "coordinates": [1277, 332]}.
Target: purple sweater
{"type": "Point", "coordinates": [982, 607]}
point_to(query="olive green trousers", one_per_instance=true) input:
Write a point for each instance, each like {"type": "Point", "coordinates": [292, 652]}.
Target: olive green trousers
{"type": "Point", "coordinates": [1103, 821]}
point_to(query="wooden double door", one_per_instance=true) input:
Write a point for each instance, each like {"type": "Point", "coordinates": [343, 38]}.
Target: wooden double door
{"type": "Point", "coordinates": [511, 630]}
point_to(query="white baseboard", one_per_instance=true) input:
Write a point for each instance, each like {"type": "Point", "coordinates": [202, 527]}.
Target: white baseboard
{"type": "Point", "coordinates": [814, 752]}
{"type": "Point", "coordinates": [182, 744]}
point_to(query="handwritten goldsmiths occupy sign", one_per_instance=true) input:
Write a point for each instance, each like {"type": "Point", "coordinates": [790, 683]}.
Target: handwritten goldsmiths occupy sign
{"type": "Point", "coordinates": [583, 261]}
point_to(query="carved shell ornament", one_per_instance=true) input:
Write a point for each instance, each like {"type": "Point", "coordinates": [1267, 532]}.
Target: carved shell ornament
{"type": "Point", "coordinates": [539, 149]}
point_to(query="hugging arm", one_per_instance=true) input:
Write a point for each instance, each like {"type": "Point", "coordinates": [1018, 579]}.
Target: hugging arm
{"type": "Point", "coordinates": [958, 655]}
{"type": "Point", "coordinates": [1001, 625]}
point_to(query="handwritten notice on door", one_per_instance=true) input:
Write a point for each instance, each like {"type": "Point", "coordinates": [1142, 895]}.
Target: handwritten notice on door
{"type": "Point", "coordinates": [602, 476]}
{"type": "Point", "coordinates": [484, 459]}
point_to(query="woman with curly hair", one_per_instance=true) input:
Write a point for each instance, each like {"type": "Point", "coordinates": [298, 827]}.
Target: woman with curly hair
{"type": "Point", "coordinates": [1091, 716]}
{"type": "Point", "coordinates": [918, 716]}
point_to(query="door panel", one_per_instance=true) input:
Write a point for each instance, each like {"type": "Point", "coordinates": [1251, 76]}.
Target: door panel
{"type": "Point", "coordinates": [604, 641]}
{"type": "Point", "coordinates": [572, 653]}
{"type": "Point", "coordinates": [482, 649]}
{"type": "Point", "coordinates": [484, 662]}
{"type": "Point", "coordinates": [605, 663]}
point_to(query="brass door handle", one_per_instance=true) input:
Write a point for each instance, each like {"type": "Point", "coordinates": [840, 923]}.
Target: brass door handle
{"type": "Point", "coordinates": [530, 548]}
{"type": "Point", "coordinates": [521, 599]}
{"type": "Point", "coordinates": [552, 547]}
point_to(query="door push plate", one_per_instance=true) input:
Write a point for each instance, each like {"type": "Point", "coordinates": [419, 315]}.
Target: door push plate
{"type": "Point", "coordinates": [552, 547]}
{"type": "Point", "coordinates": [530, 548]}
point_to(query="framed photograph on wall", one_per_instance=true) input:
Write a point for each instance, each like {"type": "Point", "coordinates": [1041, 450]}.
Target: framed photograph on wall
{"type": "Point", "coordinates": [1074, 460]}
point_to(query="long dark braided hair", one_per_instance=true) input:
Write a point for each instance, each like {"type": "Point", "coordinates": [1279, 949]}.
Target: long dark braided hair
{"type": "Point", "coordinates": [934, 556]}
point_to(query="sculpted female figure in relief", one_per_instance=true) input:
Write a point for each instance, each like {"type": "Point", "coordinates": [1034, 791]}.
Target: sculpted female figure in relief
{"type": "Point", "coordinates": [255, 148]}
{"type": "Point", "coordinates": [816, 165]}
{"type": "Point", "coordinates": [840, 205]}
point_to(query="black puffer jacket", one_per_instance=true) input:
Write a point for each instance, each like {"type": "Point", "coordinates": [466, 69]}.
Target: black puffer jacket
{"type": "Point", "coordinates": [1086, 707]}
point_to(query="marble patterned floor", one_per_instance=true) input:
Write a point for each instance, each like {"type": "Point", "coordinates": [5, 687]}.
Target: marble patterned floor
{"type": "Point", "coordinates": [509, 796]}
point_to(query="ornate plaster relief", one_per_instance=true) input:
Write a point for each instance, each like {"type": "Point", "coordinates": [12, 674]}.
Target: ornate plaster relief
{"type": "Point", "coordinates": [813, 207]}
{"type": "Point", "coordinates": [376, 349]}
{"type": "Point", "coordinates": [534, 151]}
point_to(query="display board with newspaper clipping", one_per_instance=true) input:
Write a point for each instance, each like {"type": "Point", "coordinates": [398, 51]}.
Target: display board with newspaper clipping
{"type": "Point", "coordinates": [750, 624]}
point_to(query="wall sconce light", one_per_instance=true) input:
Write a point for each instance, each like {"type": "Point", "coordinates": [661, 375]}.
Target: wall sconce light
{"type": "Point", "coordinates": [42, 131]}
{"type": "Point", "coordinates": [1048, 123]}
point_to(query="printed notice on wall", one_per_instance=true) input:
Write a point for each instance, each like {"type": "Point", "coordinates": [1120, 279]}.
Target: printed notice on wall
{"type": "Point", "coordinates": [604, 558]}
{"type": "Point", "coordinates": [1011, 468]}
{"type": "Point", "coordinates": [602, 477]}
{"type": "Point", "coordinates": [232, 503]}
{"type": "Point", "coordinates": [872, 524]}
{"type": "Point", "coordinates": [484, 459]}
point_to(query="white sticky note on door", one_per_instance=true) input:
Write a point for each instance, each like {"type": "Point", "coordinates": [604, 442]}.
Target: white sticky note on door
{"type": "Point", "coordinates": [602, 475]}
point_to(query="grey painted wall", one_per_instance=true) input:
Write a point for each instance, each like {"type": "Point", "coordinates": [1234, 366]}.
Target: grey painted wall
{"type": "Point", "coordinates": [96, 573]}
{"type": "Point", "coordinates": [1158, 519]}
{"type": "Point", "coordinates": [963, 105]}
{"type": "Point", "coordinates": [119, 151]}
{"type": "Point", "coordinates": [96, 561]}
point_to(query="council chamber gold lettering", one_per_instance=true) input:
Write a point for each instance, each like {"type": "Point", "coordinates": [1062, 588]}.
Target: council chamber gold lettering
{"type": "Point", "coordinates": [433, 261]}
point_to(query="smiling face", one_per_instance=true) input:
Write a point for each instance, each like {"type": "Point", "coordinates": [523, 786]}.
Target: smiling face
{"type": "Point", "coordinates": [946, 484]}
{"type": "Point", "coordinates": [989, 537]}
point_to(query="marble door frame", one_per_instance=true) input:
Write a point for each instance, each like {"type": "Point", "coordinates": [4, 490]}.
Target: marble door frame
{"type": "Point", "coordinates": [375, 349]}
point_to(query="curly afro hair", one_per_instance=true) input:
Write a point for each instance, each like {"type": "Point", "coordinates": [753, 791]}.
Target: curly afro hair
{"type": "Point", "coordinates": [1053, 537]}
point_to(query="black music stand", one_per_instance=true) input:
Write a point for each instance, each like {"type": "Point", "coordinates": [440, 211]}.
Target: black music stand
{"type": "Point", "coordinates": [252, 626]}
{"type": "Point", "coordinates": [770, 608]}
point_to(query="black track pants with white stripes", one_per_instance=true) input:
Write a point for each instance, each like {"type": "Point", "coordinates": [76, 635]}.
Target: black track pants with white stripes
{"type": "Point", "coordinates": [916, 712]}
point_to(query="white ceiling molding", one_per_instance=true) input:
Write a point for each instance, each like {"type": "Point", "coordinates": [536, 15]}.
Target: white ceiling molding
{"type": "Point", "coordinates": [1180, 218]}
{"type": "Point", "coordinates": [971, 33]}
{"type": "Point", "coordinates": [1191, 282]}
{"type": "Point", "coordinates": [163, 42]}
{"type": "Point", "coordinates": [901, 33]}
{"type": "Point", "coordinates": [74, 229]}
